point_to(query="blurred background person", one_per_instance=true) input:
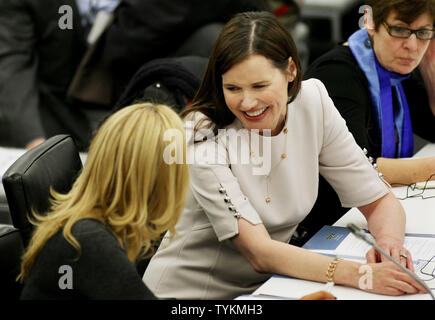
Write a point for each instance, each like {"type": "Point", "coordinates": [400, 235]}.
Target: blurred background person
{"type": "Point", "coordinates": [375, 83]}
{"type": "Point", "coordinates": [143, 31]}
{"type": "Point", "coordinates": [364, 75]}
{"type": "Point", "coordinates": [37, 62]}
{"type": "Point", "coordinates": [53, 80]}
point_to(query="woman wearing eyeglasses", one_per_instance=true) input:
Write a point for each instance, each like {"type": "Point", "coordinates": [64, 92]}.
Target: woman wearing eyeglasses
{"type": "Point", "coordinates": [374, 82]}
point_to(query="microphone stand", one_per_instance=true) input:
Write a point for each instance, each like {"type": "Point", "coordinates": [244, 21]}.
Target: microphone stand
{"type": "Point", "coordinates": [368, 239]}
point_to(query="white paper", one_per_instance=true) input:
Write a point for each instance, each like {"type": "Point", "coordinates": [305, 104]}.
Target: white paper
{"type": "Point", "coordinates": [425, 270]}
{"type": "Point", "coordinates": [352, 248]}
{"type": "Point", "coordinates": [420, 247]}
{"type": "Point", "coordinates": [297, 288]}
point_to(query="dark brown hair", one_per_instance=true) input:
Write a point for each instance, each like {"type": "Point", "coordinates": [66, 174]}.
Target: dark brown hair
{"type": "Point", "coordinates": [407, 10]}
{"type": "Point", "coordinates": [245, 34]}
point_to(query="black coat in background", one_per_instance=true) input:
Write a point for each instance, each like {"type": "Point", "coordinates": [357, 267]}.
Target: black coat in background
{"type": "Point", "coordinates": [37, 62]}
{"type": "Point", "coordinates": [142, 31]}
{"type": "Point", "coordinates": [48, 76]}
{"type": "Point", "coordinates": [146, 30]}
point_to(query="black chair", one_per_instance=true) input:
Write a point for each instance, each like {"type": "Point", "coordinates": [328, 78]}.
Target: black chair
{"type": "Point", "coordinates": [11, 249]}
{"type": "Point", "coordinates": [5, 217]}
{"type": "Point", "coordinates": [53, 164]}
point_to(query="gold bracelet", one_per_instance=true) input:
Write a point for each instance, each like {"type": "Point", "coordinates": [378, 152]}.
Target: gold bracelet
{"type": "Point", "coordinates": [331, 269]}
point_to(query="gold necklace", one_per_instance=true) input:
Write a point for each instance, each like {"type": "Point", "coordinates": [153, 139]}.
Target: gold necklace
{"type": "Point", "coordinates": [268, 198]}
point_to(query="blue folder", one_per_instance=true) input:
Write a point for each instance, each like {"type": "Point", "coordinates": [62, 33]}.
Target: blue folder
{"type": "Point", "coordinates": [327, 238]}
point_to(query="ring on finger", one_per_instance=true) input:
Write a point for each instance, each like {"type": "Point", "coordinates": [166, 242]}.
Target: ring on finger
{"type": "Point", "coordinates": [403, 255]}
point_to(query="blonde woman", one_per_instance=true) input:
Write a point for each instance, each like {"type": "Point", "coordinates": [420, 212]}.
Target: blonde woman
{"type": "Point", "coordinates": [126, 195]}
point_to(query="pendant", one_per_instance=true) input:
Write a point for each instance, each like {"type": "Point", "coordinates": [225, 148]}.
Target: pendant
{"type": "Point", "coordinates": [267, 199]}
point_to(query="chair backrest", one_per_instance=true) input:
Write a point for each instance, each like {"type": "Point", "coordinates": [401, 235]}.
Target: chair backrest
{"type": "Point", "coordinates": [11, 250]}
{"type": "Point", "coordinates": [53, 164]}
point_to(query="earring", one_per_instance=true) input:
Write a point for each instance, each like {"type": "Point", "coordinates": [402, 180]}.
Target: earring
{"type": "Point", "coordinates": [368, 43]}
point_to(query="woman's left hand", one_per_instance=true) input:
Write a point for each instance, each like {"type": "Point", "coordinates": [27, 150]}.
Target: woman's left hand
{"type": "Point", "coordinates": [394, 248]}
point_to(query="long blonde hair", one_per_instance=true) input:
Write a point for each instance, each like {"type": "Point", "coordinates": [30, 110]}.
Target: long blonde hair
{"type": "Point", "coordinates": [126, 183]}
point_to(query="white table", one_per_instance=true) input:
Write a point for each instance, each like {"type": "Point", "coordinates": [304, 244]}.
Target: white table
{"type": "Point", "coordinates": [427, 151]}
{"type": "Point", "coordinates": [420, 214]}
{"type": "Point", "coordinates": [329, 9]}
{"type": "Point", "coordinates": [420, 219]}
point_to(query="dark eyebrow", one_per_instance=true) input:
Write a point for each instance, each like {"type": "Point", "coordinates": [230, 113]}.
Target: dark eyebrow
{"type": "Point", "coordinates": [228, 85]}
{"type": "Point", "coordinates": [258, 83]}
{"type": "Point", "coordinates": [430, 26]}
{"type": "Point", "coordinates": [253, 84]}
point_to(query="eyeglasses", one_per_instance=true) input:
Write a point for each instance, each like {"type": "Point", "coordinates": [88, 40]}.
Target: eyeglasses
{"type": "Point", "coordinates": [404, 33]}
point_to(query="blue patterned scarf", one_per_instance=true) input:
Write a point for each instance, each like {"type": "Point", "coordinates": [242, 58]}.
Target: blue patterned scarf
{"type": "Point", "coordinates": [382, 84]}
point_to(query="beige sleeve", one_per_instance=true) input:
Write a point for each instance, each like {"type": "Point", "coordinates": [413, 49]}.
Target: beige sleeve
{"type": "Point", "coordinates": [343, 163]}
{"type": "Point", "coordinates": [217, 190]}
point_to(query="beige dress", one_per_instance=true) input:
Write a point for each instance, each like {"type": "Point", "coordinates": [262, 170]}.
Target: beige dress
{"type": "Point", "coordinates": [200, 262]}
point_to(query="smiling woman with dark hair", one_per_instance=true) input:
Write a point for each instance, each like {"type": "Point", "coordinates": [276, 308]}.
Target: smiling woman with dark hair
{"type": "Point", "coordinates": [239, 216]}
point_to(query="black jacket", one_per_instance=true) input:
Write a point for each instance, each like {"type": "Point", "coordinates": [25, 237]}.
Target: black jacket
{"type": "Point", "coordinates": [37, 62]}
{"type": "Point", "coordinates": [143, 31]}
{"type": "Point", "coordinates": [102, 271]}
{"type": "Point", "coordinates": [348, 87]}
